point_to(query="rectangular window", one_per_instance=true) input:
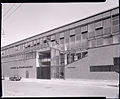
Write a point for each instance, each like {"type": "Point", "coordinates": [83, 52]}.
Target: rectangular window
{"type": "Point", "coordinates": [84, 35]}
{"type": "Point", "coordinates": [72, 38]}
{"type": "Point", "coordinates": [92, 43]}
{"type": "Point", "coordinates": [115, 24]}
{"type": "Point", "coordinates": [107, 22]}
{"type": "Point", "coordinates": [72, 41]}
{"type": "Point", "coordinates": [62, 41]}
{"type": "Point", "coordinates": [98, 24]}
{"type": "Point", "coordinates": [78, 37]}
{"type": "Point", "coordinates": [78, 30]}
{"type": "Point", "coordinates": [105, 68]}
{"type": "Point", "coordinates": [84, 28]}
{"type": "Point", "coordinates": [91, 29]}
{"type": "Point", "coordinates": [107, 26]}
{"type": "Point", "coordinates": [62, 35]}
{"type": "Point", "coordinates": [108, 40]}
{"type": "Point", "coordinates": [84, 54]}
{"type": "Point", "coordinates": [99, 41]}
{"type": "Point", "coordinates": [72, 32]}
{"type": "Point", "coordinates": [67, 33]}
{"type": "Point", "coordinates": [99, 31]}
{"type": "Point", "coordinates": [78, 56]}
{"type": "Point", "coordinates": [116, 39]}
{"type": "Point", "coordinates": [57, 38]}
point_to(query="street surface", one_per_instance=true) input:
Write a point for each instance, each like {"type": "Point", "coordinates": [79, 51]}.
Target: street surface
{"type": "Point", "coordinates": [60, 88]}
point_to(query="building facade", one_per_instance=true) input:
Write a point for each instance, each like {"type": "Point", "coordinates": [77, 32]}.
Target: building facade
{"type": "Point", "coordinates": [85, 49]}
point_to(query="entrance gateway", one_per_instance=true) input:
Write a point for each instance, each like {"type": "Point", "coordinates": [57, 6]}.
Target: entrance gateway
{"type": "Point", "coordinates": [48, 66]}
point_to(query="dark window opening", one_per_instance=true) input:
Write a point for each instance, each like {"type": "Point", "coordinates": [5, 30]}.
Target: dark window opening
{"type": "Point", "coordinates": [105, 68]}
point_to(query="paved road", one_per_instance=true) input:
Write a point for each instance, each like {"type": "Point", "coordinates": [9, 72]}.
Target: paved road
{"type": "Point", "coordinates": [59, 88]}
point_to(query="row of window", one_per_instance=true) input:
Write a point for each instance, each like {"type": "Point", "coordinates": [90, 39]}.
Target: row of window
{"type": "Point", "coordinates": [19, 57]}
{"type": "Point", "coordinates": [77, 34]}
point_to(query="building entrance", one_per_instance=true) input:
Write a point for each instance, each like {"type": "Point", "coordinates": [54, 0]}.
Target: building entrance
{"type": "Point", "coordinates": [43, 71]}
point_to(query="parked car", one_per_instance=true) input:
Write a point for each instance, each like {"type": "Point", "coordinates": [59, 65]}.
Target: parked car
{"type": "Point", "coordinates": [15, 78]}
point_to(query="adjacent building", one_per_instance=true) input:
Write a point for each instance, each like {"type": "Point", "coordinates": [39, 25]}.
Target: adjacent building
{"type": "Point", "coordinates": [86, 49]}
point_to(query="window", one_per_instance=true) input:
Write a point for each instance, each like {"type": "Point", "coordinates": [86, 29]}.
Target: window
{"type": "Point", "coordinates": [72, 32]}
{"type": "Point", "coordinates": [72, 41]}
{"type": "Point", "coordinates": [99, 41]}
{"type": "Point", "coordinates": [98, 24]}
{"type": "Point", "coordinates": [67, 37]}
{"type": "Point", "coordinates": [107, 22]}
{"type": "Point", "coordinates": [62, 35]}
{"type": "Point", "coordinates": [116, 39]}
{"type": "Point", "coordinates": [115, 23]}
{"type": "Point", "coordinates": [115, 17]}
{"type": "Point", "coordinates": [84, 54]}
{"type": "Point", "coordinates": [115, 29]}
{"type": "Point", "coordinates": [84, 35]}
{"type": "Point", "coordinates": [99, 31]}
{"type": "Point", "coordinates": [105, 68]}
{"type": "Point", "coordinates": [62, 41]}
{"type": "Point", "coordinates": [107, 26]}
{"type": "Point", "coordinates": [78, 37]}
{"type": "Point", "coordinates": [53, 40]}
{"type": "Point", "coordinates": [78, 55]}
{"type": "Point", "coordinates": [62, 59]}
{"type": "Point", "coordinates": [78, 30]}
{"type": "Point", "coordinates": [72, 38]}
{"type": "Point", "coordinates": [92, 43]}
{"type": "Point", "coordinates": [31, 43]}
{"type": "Point", "coordinates": [91, 29]}
{"type": "Point", "coordinates": [84, 28]}
{"type": "Point", "coordinates": [57, 38]}
{"type": "Point", "coordinates": [38, 42]}
{"type": "Point", "coordinates": [84, 32]}
{"type": "Point", "coordinates": [108, 40]}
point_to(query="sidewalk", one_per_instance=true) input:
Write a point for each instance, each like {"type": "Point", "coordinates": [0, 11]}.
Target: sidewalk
{"type": "Point", "coordinates": [112, 83]}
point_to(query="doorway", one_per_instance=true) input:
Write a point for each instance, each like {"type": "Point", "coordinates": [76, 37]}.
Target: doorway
{"type": "Point", "coordinates": [27, 74]}
{"type": "Point", "coordinates": [43, 71]}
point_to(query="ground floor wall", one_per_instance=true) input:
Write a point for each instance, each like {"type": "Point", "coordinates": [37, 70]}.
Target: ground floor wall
{"type": "Point", "coordinates": [23, 68]}
{"type": "Point", "coordinates": [96, 57]}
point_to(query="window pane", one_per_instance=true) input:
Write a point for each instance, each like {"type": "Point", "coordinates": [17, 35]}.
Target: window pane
{"type": "Point", "coordinates": [100, 41]}
{"type": "Point", "coordinates": [67, 36]}
{"type": "Point", "coordinates": [116, 39]}
{"type": "Point", "coordinates": [115, 17]}
{"type": "Point", "coordinates": [84, 35]}
{"type": "Point", "coordinates": [72, 31]}
{"type": "Point", "coordinates": [115, 29]}
{"type": "Point", "coordinates": [107, 22]}
{"type": "Point", "coordinates": [98, 24]}
{"type": "Point", "coordinates": [108, 40]}
{"type": "Point", "coordinates": [107, 30]}
{"type": "Point", "coordinates": [91, 27]}
{"type": "Point", "coordinates": [78, 37]}
{"type": "Point", "coordinates": [84, 28]}
{"type": "Point", "coordinates": [78, 30]}
{"type": "Point", "coordinates": [92, 43]}
{"type": "Point", "coordinates": [99, 32]}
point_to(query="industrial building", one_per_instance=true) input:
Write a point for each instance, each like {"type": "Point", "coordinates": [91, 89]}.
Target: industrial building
{"type": "Point", "coordinates": [86, 49]}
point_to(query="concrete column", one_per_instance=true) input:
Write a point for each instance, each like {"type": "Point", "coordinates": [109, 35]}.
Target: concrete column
{"type": "Point", "coordinates": [37, 59]}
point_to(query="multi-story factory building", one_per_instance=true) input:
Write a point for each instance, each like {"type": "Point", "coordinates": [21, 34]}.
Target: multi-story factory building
{"type": "Point", "coordinates": [85, 49]}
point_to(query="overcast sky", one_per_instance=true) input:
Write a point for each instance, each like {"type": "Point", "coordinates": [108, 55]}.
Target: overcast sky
{"type": "Point", "coordinates": [30, 19]}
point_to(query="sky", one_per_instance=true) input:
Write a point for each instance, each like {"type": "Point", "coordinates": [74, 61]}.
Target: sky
{"type": "Point", "coordinates": [20, 21]}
